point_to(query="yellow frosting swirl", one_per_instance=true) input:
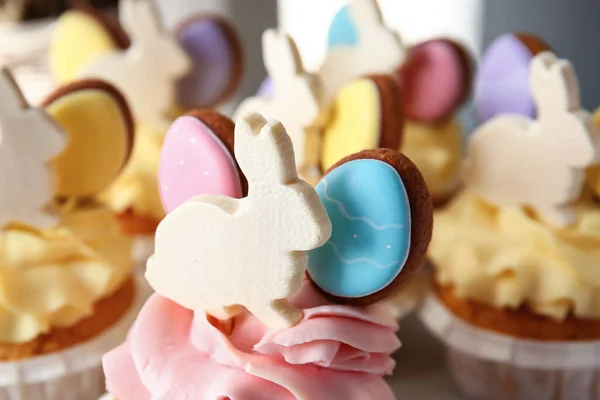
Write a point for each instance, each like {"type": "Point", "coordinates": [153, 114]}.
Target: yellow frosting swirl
{"type": "Point", "coordinates": [437, 151]}
{"type": "Point", "coordinates": [52, 277]}
{"type": "Point", "coordinates": [506, 258]}
{"type": "Point", "coordinates": [594, 172]}
{"type": "Point", "coordinates": [137, 187]}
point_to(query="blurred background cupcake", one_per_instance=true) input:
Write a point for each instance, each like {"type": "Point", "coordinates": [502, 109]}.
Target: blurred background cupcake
{"type": "Point", "coordinates": [517, 294]}
{"type": "Point", "coordinates": [67, 289]}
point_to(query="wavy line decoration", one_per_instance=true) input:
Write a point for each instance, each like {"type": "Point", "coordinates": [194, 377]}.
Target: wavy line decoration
{"type": "Point", "coordinates": [368, 205]}
{"type": "Point", "coordinates": [346, 214]}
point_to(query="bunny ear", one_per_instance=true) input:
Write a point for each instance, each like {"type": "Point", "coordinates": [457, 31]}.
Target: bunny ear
{"type": "Point", "coordinates": [280, 54]}
{"type": "Point", "coordinates": [365, 115]}
{"type": "Point", "coordinates": [502, 82]}
{"type": "Point", "coordinates": [99, 124]}
{"type": "Point", "coordinates": [28, 142]}
{"type": "Point", "coordinates": [218, 63]}
{"type": "Point", "coordinates": [554, 84]}
{"type": "Point", "coordinates": [436, 80]}
{"type": "Point", "coordinates": [197, 158]}
{"type": "Point", "coordinates": [78, 38]}
{"type": "Point", "coordinates": [368, 21]}
{"type": "Point", "coordinates": [140, 18]}
{"type": "Point", "coordinates": [382, 219]}
{"type": "Point", "coordinates": [264, 150]}
{"type": "Point", "coordinates": [12, 97]}
{"type": "Point", "coordinates": [366, 14]}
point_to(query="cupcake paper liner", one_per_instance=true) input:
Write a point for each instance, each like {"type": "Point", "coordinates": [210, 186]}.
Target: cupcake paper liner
{"type": "Point", "coordinates": [143, 247]}
{"type": "Point", "coordinates": [488, 365]}
{"type": "Point", "coordinates": [71, 374]}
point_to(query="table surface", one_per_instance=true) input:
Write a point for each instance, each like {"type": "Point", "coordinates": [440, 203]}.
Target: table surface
{"type": "Point", "coordinates": [421, 371]}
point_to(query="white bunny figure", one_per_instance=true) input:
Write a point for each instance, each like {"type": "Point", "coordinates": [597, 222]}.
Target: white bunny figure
{"type": "Point", "coordinates": [29, 140]}
{"type": "Point", "coordinates": [147, 72]}
{"type": "Point", "coordinates": [514, 161]}
{"type": "Point", "coordinates": [295, 101]}
{"type": "Point", "coordinates": [216, 253]}
{"type": "Point", "coordinates": [379, 50]}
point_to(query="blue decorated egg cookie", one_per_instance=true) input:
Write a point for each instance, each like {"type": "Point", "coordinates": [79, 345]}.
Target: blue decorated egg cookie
{"type": "Point", "coordinates": [382, 218]}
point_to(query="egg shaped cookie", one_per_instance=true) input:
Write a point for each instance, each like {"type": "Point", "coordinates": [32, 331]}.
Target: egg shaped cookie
{"type": "Point", "coordinates": [435, 80]}
{"type": "Point", "coordinates": [217, 61]}
{"type": "Point", "coordinates": [342, 30]}
{"type": "Point", "coordinates": [197, 157]}
{"type": "Point", "coordinates": [68, 54]}
{"type": "Point", "coordinates": [365, 115]}
{"type": "Point", "coordinates": [502, 82]}
{"type": "Point", "coordinates": [382, 219]}
{"type": "Point", "coordinates": [100, 132]}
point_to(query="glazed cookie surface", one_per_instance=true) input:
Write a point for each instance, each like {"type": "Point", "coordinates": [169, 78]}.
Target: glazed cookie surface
{"type": "Point", "coordinates": [99, 126]}
{"type": "Point", "coordinates": [364, 115]}
{"type": "Point", "coordinates": [382, 220]}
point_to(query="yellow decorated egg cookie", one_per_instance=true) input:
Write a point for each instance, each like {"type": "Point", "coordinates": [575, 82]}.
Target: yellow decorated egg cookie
{"type": "Point", "coordinates": [99, 129]}
{"type": "Point", "coordinates": [363, 116]}
{"type": "Point", "coordinates": [68, 56]}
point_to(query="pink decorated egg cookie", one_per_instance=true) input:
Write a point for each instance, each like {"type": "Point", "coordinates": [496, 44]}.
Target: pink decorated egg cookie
{"type": "Point", "coordinates": [197, 158]}
{"type": "Point", "coordinates": [436, 80]}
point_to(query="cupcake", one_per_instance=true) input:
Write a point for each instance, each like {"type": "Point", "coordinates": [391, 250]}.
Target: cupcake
{"type": "Point", "coordinates": [67, 291]}
{"type": "Point", "coordinates": [161, 74]}
{"type": "Point", "coordinates": [257, 315]}
{"type": "Point", "coordinates": [517, 293]}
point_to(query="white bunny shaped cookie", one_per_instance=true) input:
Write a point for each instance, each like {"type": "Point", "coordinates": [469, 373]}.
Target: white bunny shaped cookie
{"type": "Point", "coordinates": [217, 253]}
{"type": "Point", "coordinates": [29, 140]}
{"type": "Point", "coordinates": [295, 100]}
{"type": "Point", "coordinates": [515, 161]}
{"type": "Point", "coordinates": [147, 72]}
{"type": "Point", "coordinates": [378, 50]}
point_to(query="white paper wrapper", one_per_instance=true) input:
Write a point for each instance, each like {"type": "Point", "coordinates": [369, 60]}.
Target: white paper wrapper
{"type": "Point", "coordinates": [487, 365]}
{"type": "Point", "coordinates": [143, 247]}
{"type": "Point", "coordinates": [72, 374]}
{"type": "Point", "coordinates": [409, 298]}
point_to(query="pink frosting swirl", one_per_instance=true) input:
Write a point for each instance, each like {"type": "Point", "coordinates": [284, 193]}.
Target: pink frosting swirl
{"type": "Point", "coordinates": [335, 352]}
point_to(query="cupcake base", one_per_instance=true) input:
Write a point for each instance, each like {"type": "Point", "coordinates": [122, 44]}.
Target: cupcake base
{"type": "Point", "coordinates": [490, 365]}
{"type": "Point", "coordinates": [133, 224]}
{"type": "Point", "coordinates": [106, 313]}
{"type": "Point", "coordinates": [521, 323]}
{"type": "Point", "coordinates": [74, 373]}
{"type": "Point", "coordinates": [480, 379]}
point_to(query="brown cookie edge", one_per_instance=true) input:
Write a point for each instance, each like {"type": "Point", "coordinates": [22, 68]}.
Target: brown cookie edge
{"type": "Point", "coordinates": [223, 128]}
{"type": "Point", "coordinates": [533, 43]}
{"type": "Point", "coordinates": [97, 84]}
{"type": "Point", "coordinates": [391, 109]}
{"type": "Point", "coordinates": [421, 210]}
{"type": "Point", "coordinates": [120, 37]}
